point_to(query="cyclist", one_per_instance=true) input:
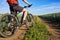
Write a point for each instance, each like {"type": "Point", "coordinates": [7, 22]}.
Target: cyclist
{"type": "Point", "coordinates": [14, 8]}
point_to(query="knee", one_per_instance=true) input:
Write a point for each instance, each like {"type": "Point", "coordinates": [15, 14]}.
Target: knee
{"type": "Point", "coordinates": [24, 9]}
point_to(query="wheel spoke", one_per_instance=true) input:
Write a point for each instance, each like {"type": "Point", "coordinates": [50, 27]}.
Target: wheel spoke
{"type": "Point", "coordinates": [8, 25]}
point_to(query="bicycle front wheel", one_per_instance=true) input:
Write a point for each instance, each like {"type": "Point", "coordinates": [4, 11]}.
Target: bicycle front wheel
{"type": "Point", "coordinates": [30, 20]}
{"type": "Point", "coordinates": [8, 25]}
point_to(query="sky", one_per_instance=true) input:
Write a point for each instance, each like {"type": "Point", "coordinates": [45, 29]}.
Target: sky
{"type": "Point", "coordinates": [39, 7]}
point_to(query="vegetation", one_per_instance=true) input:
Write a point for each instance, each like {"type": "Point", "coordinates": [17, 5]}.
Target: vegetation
{"type": "Point", "coordinates": [53, 19]}
{"type": "Point", "coordinates": [38, 31]}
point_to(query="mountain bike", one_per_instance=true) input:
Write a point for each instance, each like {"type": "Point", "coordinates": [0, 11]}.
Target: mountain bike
{"type": "Point", "coordinates": [10, 23]}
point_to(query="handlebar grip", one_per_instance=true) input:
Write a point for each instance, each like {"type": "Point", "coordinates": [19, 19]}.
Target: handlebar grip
{"type": "Point", "coordinates": [27, 6]}
{"type": "Point", "coordinates": [30, 5]}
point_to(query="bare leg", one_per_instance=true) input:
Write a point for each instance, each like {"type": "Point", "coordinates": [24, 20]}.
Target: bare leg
{"type": "Point", "coordinates": [24, 13]}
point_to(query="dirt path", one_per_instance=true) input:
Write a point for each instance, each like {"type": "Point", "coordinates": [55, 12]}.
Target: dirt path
{"type": "Point", "coordinates": [18, 36]}
{"type": "Point", "coordinates": [55, 32]}
{"type": "Point", "coordinates": [22, 31]}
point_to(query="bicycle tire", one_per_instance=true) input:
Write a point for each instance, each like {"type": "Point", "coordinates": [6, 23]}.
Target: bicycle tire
{"type": "Point", "coordinates": [30, 19]}
{"type": "Point", "coordinates": [14, 30]}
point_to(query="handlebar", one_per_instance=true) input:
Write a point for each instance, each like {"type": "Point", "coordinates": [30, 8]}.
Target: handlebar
{"type": "Point", "coordinates": [28, 6]}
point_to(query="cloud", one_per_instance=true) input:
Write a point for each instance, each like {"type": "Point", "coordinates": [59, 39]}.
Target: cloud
{"type": "Point", "coordinates": [3, 6]}
{"type": "Point", "coordinates": [45, 9]}
{"type": "Point", "coordinates": [37, 10]}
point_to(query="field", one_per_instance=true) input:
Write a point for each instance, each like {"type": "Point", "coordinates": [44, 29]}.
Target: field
{"type": "Point", "coordinates": [53, 20]}
{"type": "Point", "coordinates": [38, 31]}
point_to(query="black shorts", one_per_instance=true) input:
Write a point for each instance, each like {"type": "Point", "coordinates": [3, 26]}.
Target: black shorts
{"type": "Point", "coordinates": [16, 7]}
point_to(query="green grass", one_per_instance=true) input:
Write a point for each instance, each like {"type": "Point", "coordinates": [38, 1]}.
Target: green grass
{"type": "Point", "coordinates": [1, 15]}
{"type": "Point", "coordinates": [38, 31]}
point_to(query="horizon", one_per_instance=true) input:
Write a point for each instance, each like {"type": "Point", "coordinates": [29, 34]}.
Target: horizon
{"type": "Point", "coordinates": [42, 7]}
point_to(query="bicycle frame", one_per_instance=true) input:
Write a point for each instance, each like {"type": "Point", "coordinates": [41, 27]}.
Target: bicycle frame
{"type": "Point", "coordinates": [16, 21]}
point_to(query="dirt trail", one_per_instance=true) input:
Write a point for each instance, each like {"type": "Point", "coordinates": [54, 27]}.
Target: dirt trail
{"type": "Point", "coordinates": [22, 31]}
{"type": "Point", "coordinates": [55, 32]}
{"type": "Point", "coordinates": [18, 36]}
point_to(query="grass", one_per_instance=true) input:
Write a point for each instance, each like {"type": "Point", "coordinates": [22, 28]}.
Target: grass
{"type": "Point", "coordinates": [38, 31]}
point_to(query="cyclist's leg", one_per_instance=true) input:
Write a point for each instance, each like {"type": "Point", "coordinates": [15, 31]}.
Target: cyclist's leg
{"type": "Point", "coordinates": [23, 19]}
{"type": "Point", "coordinates": [21, 9]}
{"type": "Point", "coordinates": [24, 16]}
{"type": "Point", "coordinates": [12, 10]}
{"type": "Point", "coordinates": [24, 13]}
